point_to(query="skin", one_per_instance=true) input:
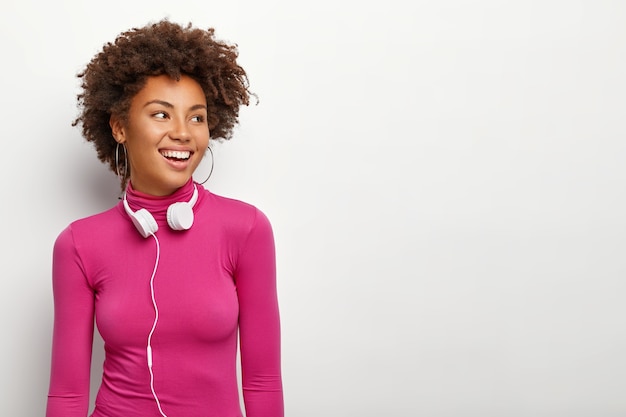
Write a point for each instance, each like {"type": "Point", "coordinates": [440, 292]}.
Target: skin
{"type": "Point", "coordinates": [166, 115]}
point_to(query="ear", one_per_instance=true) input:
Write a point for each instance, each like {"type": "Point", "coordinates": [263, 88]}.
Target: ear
{"type": "Point", "coordinates": [117, 129]}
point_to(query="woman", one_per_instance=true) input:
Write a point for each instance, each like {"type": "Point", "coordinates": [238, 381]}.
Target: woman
{"type": "Point", "coordinates": [173, 274]}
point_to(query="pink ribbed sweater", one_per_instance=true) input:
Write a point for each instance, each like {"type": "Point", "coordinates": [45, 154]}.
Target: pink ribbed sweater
{"type": "Point", "coordinates": [213, 282]}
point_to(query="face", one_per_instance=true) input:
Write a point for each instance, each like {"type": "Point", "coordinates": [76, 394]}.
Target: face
{"type": "Point", "coordinates": [166, 134]}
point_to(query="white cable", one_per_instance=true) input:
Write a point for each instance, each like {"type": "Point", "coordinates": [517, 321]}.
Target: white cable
{"type": "Point", "coordinates": [156, 319]}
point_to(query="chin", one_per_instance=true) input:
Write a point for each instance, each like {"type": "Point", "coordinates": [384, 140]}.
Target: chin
{"type": "Point", "coordinates": [174, 184]}
{"type": "Point", "coordinates": [180, 182]}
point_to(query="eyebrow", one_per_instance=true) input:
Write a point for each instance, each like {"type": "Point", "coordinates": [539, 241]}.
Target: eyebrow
{"type": "Point", "coordinates": [171, 106]}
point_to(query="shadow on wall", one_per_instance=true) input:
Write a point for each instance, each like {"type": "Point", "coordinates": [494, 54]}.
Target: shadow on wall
{"type": "Point", "coordinates": [98, 187]}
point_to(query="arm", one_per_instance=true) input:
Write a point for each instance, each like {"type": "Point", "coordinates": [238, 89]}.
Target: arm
{"type": "Point", "coordinates": [68, 395]}
{"type": "Point", "coordinates": [259, 323]}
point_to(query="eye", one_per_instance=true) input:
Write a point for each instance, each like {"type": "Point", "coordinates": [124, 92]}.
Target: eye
{"type": "Point", "coordinates": [198, 119]}
{"type": "Point", "coordinates": [159, 115]}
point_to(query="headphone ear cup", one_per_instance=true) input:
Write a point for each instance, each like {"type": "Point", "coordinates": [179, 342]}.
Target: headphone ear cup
{"type": "Point", "coordinates": [144, 222]}
{"type": "Point", "coordinates": [180, 216]}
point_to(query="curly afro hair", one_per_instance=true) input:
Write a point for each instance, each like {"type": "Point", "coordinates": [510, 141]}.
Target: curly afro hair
{"type": "Point", "coordinates": [120, 70]}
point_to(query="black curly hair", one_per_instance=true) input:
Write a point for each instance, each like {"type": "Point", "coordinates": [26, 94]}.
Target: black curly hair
{"type": "Point", "coordinates": [116, 74]}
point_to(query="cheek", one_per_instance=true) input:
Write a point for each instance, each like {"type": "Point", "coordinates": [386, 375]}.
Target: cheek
{"type": "Point", "coordinates": [202, 154]}
{"type": "Point", "coordinates": [203, 142]}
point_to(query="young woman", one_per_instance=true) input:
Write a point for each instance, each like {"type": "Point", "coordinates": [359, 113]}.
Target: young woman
{"type": "Point", "coordinates": [173, 275]}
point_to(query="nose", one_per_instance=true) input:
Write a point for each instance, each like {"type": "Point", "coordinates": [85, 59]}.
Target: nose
{"type": "Point", "coordinates": [180, 130]}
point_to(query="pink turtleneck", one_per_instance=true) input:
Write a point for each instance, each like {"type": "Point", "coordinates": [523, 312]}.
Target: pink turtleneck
{"type": "Point", "coordinates": [214, 282]}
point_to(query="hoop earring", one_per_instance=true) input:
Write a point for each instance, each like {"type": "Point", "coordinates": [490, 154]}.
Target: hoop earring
{"type": "Point", "coordinates": [212, 165]}
{"type": "Point", "coordinates": [121, 175]}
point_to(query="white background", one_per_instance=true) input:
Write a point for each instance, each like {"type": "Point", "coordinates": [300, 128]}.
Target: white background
{"type": "Point", "coordinates": [445, 180]}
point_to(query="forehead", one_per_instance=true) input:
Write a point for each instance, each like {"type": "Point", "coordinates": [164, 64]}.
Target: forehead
{"type": "Point", "coordinates": [185, 91]}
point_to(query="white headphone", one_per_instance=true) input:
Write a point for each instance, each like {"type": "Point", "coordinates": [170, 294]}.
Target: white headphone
{"type": "Point", "coordinates": [179, 216]}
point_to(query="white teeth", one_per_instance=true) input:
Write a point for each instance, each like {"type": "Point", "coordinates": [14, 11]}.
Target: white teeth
{"type": "Point", "coordinates": [176, 154]}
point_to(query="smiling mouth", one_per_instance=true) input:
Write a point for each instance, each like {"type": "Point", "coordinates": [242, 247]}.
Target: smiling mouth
{"type": "Point", "coordinates": [176, 155]}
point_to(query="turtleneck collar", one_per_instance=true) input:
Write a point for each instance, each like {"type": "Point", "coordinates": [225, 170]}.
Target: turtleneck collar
{"type": "Point", "coordinates": [157, 206]}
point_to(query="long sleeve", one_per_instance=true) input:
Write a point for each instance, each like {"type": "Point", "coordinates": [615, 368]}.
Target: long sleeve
{"type": "Point", "coordinates": [68, 394]}
{"type": "Point", "coordinates": [259, 322]}
{"type": "Point", "coordinates": [213, 283]}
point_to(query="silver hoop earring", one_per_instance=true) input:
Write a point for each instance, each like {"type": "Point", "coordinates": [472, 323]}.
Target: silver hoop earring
{"type": "Point", "coordinates": [121, 175]}
{"type": "Point", "coordinates": [212, 164]}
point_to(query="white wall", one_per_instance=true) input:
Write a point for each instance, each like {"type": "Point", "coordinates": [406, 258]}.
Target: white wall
{"type": "Point", "coordinates": [445, 180]}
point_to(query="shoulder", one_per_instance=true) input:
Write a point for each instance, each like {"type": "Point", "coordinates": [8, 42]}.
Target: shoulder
{"type": "Point", "coordinates": [90, 227]}
{"type": "Point", "coordinates": [234, 213]}
{"type": "Point", "coordinates": [245, 231]}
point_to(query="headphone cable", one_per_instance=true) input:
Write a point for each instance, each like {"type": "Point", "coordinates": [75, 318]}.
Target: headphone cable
{"type": "Point", "coordinates": [156, 319]}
